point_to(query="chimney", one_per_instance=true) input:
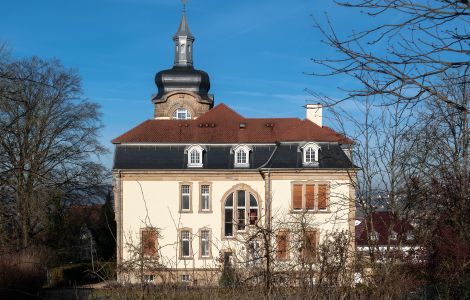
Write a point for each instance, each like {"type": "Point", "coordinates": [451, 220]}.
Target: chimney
{"type": "Point", "coordinates": [314, 113]}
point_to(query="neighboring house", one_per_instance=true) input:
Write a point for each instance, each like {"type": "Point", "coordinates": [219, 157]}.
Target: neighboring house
{"type": "Point", "coordinates": [381, 234]}
{"type": "Point", "coordinates": [192, 184]}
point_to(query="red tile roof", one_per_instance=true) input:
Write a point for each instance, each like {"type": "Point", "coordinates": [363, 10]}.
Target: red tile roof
{"type": "Point", "coordinates": [382, 222]}
{"type": "Point", "coordinates": [223, 125]}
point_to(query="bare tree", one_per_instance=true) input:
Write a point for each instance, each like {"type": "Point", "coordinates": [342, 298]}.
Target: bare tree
{"type": "Point", "coordinates": [403, 56]}
{"type": "Point", "coordinates": [49, 145]}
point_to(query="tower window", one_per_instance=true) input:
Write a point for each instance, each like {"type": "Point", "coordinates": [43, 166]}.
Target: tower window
{"type": "Point", "coordinates": [181, 114]}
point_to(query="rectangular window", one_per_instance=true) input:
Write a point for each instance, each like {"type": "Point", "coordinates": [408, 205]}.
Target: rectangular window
{"type": "Point", "coordinates": [149, 241]}
{"type": "Point", "coordinates": [282, 244]}
{"type": "Point", "coordinates": [241, 210]}
{"type": "Point", "coordinates": [253, 252]}
{"type": "Point", "coordinates": [310, 197]}
{"type": "Point", "coordinates": [297, 197]}
{"type": "Point", "coordinates": [205, 198]}
{"type": "Point", "coordinates": [322, 196]}
{"type": "Point", "coordinates": [149, 278]}
{"type": "Point", "coordinates": [185, 243]}
{"type": "Point", "coordinates": [228, 221]}
{"type": "Point", "coordinates": [185, 197]}
{"type": "Point", "coordinates": [205, 243]}
{"type": "Point", "coordinates": [185, 278]}
{"type": "Point", "coordinates": [309, 247]}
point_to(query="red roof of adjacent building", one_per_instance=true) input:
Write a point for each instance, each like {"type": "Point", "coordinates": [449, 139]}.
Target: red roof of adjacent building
{"type": "Point", "coordinates": [223, 125]}
{"type": "Point", "coordinates": [382, 222]}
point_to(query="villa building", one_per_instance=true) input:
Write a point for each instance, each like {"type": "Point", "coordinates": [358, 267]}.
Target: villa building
{"type": "Point", "coordinates": [198, 187]}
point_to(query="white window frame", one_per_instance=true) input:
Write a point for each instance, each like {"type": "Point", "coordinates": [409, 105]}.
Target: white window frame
{"type": "Point", "coordinates": [311, 146]}
{"type": "Point", "coordinates": [186, 278]}
{"type": "Point", "coordinates": [205, 243]}
{"type": "Point", "coordinates": [199, 151]}
{"type": "Point", "coordinates": [185, 193]}
{"type": "Point", "coordinates": [178, 111]}
{"type": "Point", "coordinates": [245, 209]}
{"type": "Point", "coordinates": [236, 151]}
{"type": "Point", "coordinates": [205, 195]}
{"type": "Point", "coordinates": [393, 236]}
{"type": "Point", "coordinates": [185, 237]}
{"type": "Point", "coordinates": [374, 236]}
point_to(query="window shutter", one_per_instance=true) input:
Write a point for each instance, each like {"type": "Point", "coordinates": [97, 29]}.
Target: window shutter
{"type": "Point", "coordinates": [297, 197]}
{"type": "Point", "coordinates": [310, 244]}
{"type": "Point", "coordinates": [322, 196]}
{"type": "Point", "coordinates": [310, 197]}
{"type": "Point", "coordinates": [281, 240]}
{"type": "Point", "coordinates": [149, 242]}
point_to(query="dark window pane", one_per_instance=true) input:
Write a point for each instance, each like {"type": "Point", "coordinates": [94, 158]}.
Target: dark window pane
{"type": "Point", "coordinates": [228, 229]}
{"type": "Point", "coordinates": [253, 202]}
{"type": "Point", "coordinates": [241, 198]}
{"type": "Point", "coordinates": [241, 219]}
{"type": "Point", "coordinates": [229, 200]}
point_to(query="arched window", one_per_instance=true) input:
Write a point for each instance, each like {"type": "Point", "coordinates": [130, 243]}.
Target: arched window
{"type": "Point", "coordinates": [242, 156]}
{"type": "Point", "coordinates": [195, 156]}
{"type": "Point", "coordinates": [239, 207]}
{"type": "Point", "coordinates": [310, 154]}
{"type": "Point", "coordinates": [181, 114]}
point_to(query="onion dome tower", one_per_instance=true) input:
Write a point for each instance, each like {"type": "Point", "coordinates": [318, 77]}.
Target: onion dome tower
{"type": "Point", "coordinates": [183, 92]}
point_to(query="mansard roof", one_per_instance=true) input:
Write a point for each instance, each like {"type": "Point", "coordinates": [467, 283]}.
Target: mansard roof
{"type": "Point", "coordinates": [221, 157]}
{"type": "Point", "coordinates": [222, 125]}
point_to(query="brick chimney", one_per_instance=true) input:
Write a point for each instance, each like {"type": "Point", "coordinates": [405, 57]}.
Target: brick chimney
{"type": "Point", "coordinates": [315, 113]}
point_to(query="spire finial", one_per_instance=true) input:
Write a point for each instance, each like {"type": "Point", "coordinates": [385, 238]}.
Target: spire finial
{"type": "Point", "coordinates": [184, 5]}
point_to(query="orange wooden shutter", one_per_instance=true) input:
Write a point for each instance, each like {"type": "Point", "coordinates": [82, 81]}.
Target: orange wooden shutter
{"type": "Point", "coordinates": [282, 245]}
{"type": "Point", "coordinates": [149, 242]}
{"type": "Point", "coordinates": [310, 244]}
{"type": "Point", "coordinates": [297, 196]}
{"type": "Point", "coordinates": [322, 196]}
{"type": "Point", "coordinates": [310, 196]}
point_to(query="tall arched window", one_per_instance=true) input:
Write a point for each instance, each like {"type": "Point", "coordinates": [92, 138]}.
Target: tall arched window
{"type": "Point", "coordinates": [181, 114]}
{"type": "Point", "coordinates": [239, 206]}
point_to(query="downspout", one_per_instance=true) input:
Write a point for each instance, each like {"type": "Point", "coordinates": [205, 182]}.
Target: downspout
{"type": "Point", "coordinates": [268, 215]}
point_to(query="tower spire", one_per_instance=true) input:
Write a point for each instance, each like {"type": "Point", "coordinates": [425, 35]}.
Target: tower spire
{"type": "Point", "coordinates": [183, 42]}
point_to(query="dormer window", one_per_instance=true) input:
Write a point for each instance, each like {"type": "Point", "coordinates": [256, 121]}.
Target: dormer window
{"type": "Point", "coordinates": [373, 236]}
{"type": "Point", "coordinates": [181, 114]}
{"type": "Point", "coordinates": [310, 154]}
{"type": "Point", "coordinates": [195, 156]}
{"type": "Point", "coordinates": [242, 156]}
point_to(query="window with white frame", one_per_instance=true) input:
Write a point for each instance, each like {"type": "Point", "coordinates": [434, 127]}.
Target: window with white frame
{"type": "Point", "coordinates": [310, 154]}
{"type": "Point", "coordinates": [185, 197]}
{"type": "Point", "coordinates": [239, 207]}
{"type": "Point", "coordinates": [242, 156]}
{"type": "Point", "coordinates": [181, 114]}
{"type": "Point", "coordinates": [149, 278]}
{"type": "Point", "coordinates": [205, 197]}
{"type": "Point", "coordinates": [253, 253]}
{"type": "Point", "coordinates": [205, 243]}
{"type": "Point", "coordinates": [185, 278]}
{"type": "Point", "coordinates": [393, 236]}
{"type": "Point", "coordinates": [185, 244]}
{"type": "Point", "coordinates": [373, 236]}
{"type": "Point", "coordinates": [195, 156]}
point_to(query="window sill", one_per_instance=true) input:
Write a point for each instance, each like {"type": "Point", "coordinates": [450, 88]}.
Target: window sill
{"type": "Point", "coordinates": [186, 258]}
{"type": "Point", "coordinates": [310, 165]}
{"type": "Point", "coordinates": [185, 211]}
{"type": "Point", "coordinates": [241, 166]}
{"type": "Point", "coordinates": [310, 211]}
{"type": "Point", "coordinates": [194, 165]}
{"type": "Point", "coordinates": [205, 211]}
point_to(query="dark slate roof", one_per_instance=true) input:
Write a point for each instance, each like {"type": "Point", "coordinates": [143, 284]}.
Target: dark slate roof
{"type": "Point", "coordinates": [220, 157]}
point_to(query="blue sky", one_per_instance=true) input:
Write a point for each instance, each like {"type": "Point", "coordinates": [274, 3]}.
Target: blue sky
{"type": "Point", "coordinates": [256, 52]}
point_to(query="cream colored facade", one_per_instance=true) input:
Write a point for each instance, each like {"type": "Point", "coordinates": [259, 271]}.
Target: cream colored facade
{"type": "Point", "coordinates": [152, 199]}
